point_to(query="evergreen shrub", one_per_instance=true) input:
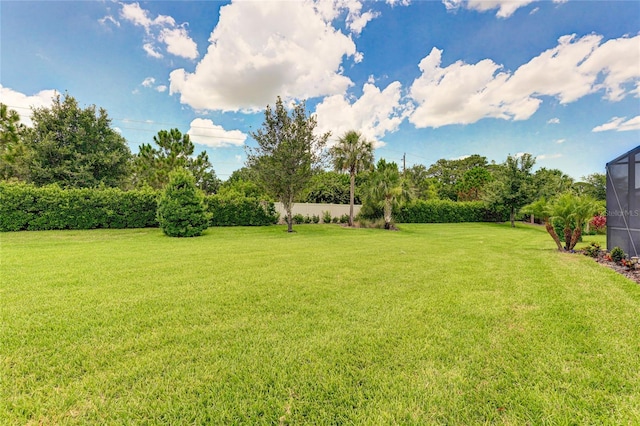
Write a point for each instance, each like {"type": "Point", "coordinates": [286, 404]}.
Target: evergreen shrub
{"type": "Point", "coordinates": [617, 254]}
{"type": "Point", "coordinates": [181, 210]}
{"type": "Point", "coordinates": [326, 216]}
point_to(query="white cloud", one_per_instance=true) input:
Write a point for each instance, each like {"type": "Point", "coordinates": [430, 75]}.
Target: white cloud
{"type": "Point", "coordinates": [134, 13]}
{"type": "Point", "coordinates": [151, 51]}
{"type": "Point", "coordinates": [560, 141]}
{"type": "Point", "coordinates": [356, 19]}
{"type": "Point", "coordinates": [505, 8]}
{"type": "Point", "coordinates": [148, 82]}
{"type": "Point", "coordinates": [619, 62]}
{"type": "Point", "coordinates": [238, 158]}
{"type": "Point", "coordinates": [161, 29]}
{"type": "Point", "coordinates": [554, 120]}
{"type": "Point", "coordinates": [205, 132]}
{"type": "Point", "coordinates": [393, 3]}
{"type": "Point", "coordinates": [375, 113]}
{"type": "Point", "coordinates": [548, 156]}
{"type": "Point", "coordinates": [619, 124]}
{"type": "Point", "coordinates": [23, 104]}
{"type": "Point", "coordinates": [464, 93]}
{"type": "Point", "coordinates": [109, 19]}
{"type": "Point", "coordinates": [462, 157]}
{"type": "Point", "coordinates": [179, 43]}
{"type": "Point", "coordinates": [260, 50]}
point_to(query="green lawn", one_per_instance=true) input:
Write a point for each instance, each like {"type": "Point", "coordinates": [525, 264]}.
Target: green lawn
{"type": "Point", "coordinates": [436, 324]}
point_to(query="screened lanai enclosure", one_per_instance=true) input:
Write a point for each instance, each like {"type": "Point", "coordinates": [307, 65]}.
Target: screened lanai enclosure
{"type": "Point", "coordinates": [623, 202]}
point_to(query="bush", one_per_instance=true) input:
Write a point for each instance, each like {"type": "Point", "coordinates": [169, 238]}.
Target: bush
{"type": "Point", "coordinates": [599, 224]}
{"type": "Point", "coordinates": [181, 211]}
{"type": "Point", "coordinates": [617, 254]}
{"type": "Point", "coordinates": [27, 207]}
{"type": "Point", "coordinates": [444, 211]}
{"type": "Point", "coordinates": [326, 216]}
{"type": "Point", "coordinates": [344, 218]}
{"type": "Point", "coordinates": [307, 219]}
{"type": "Point", "coordinates": [593, 250]}
{"type": "Point", "coordinates": [372, 223]}
{"type": "Point", "coordinates": [315, 218]}
{"type": "Point", "coordinates": [237, 210]}
{"type": "Point", "coordinates": [335, 220]}
{"type": "Point", "coordinates": [297, 219]}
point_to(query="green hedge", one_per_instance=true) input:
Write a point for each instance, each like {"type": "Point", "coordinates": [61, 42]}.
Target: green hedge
{"type": "Point", "coordinates": [445, 211]}
{"type": "Point", "coordinates": [240, 211]}
{"type": "Point", "coordinates": [27, 207]}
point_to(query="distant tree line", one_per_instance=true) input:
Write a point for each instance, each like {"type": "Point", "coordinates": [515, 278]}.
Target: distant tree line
{"type": "Point", "coordinates": [76, 147]}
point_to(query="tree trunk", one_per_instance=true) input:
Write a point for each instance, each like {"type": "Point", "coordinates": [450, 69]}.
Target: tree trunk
{"type": "Point", "coordinates": [551, 230]}
{"type": "Point", "coordinates": [387, 214]}
{"type": "Point", "coordinates": [352, 189]}
{"type": "Point", "coordinates": [512, 217]}
{"type": "Point", "coordinates": [288, 205]}
{"type": "Point", "coordinates": [567, 238]}
{"type": "Point", "coordinates": [577, 233]}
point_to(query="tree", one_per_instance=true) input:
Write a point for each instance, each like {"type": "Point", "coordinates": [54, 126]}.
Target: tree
{"type": "Point", "coordinates": [181, 211]}
{"type": "Point", "coordinates": [352, 154]}
{"type": "Point", "coordinates": [243, 173]}
{"type": "Point", "coordinates": [422, 184]}
{"type": "Point", "coordinates": [13, 152]}
{"type": "Point", "coordinates": [448, 173]}
{"type": "Point", "coordinates": [542, 209]}
{"type": "Point", "coordinates": [152, 166]}
{"type": "Point", "coordinates": [550, 182]}
{"type": "Point", "coordinates": [287, 152]}
{"type": "Point", "coordinates": [387, 189]}
{"type": "Point", "coordinates": [571, 212]}
{"type": "Point", "coordinates": [471, 186]}
{"type": "Point", "coordinates": [75, 147]}
{"type": "Point", "coordinates": [513, 187]}
{"type": "Point", "coordinates": [593, 185]}
{"type": "Point", "coordinates": [328, 187]}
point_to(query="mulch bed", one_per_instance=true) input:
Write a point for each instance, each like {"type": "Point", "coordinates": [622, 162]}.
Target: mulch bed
{"type": "Point", "coordinates": [632, 274]}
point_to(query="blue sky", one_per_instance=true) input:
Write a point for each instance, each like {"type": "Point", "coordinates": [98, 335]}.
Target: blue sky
{"type": "Point", "coordinates": [429, 79]}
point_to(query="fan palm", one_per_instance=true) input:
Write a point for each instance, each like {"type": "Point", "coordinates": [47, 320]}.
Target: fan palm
{"type": "Point", "coordinates": [353, 154]}
{"type": "Point", "coordinates": [387, 188]}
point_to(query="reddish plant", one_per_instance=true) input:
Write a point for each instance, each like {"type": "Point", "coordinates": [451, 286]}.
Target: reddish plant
{"type": "Point", "coordinates": [598, 222]}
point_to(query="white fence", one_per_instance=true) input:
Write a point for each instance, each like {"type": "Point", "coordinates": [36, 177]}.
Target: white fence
{"type": "Point", "coordinates": [311, 209]}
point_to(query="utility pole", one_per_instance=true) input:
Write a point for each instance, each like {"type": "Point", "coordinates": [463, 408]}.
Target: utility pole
{"type": "Point", "coordinates": [404, 163]}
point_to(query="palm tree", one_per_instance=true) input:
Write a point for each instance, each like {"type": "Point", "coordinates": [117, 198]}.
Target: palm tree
{"type": "Point", "coordinates": [352, 154]}
{"type": "Point", "coordinates": [387, 188]}
{"type": "Point", "coordinates": [542, 210]}
{"type": "Point", "coordinates": [572, 212]}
